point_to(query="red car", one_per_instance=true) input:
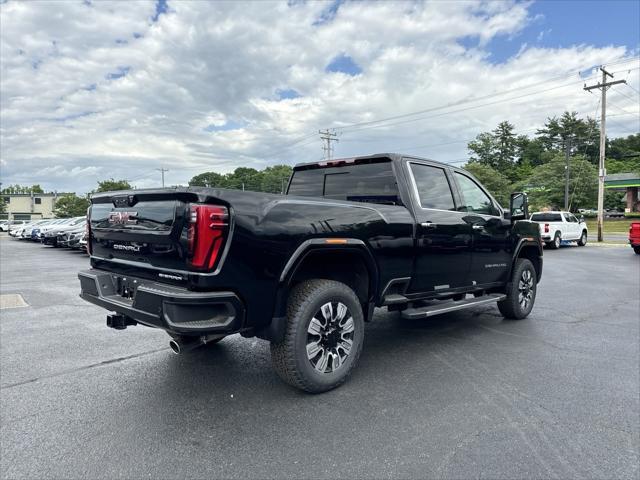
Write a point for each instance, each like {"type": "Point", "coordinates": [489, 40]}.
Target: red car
{"type": "Point", "coordinates": [634, 236]}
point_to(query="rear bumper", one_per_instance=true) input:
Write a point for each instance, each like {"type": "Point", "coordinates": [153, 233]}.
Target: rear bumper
{"type": "Point", "coordinates": [163, 306]}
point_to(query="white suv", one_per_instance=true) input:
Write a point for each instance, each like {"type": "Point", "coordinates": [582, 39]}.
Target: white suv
{"type": "Point", "coordinates": [558, 226]}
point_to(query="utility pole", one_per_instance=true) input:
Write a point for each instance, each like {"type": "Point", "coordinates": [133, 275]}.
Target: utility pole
{"type": "Point", "coordinates": [327, 138]}
{"type": "Point", "coordinates": [566, 173]}
{"type": "Point", "coordinates": [162, 170]}
{"type": "Point", "coordinates": [603, 116]}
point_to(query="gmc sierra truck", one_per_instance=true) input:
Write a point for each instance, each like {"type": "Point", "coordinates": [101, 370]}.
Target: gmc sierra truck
{"type": "Point", "coordinates": [306, 270]}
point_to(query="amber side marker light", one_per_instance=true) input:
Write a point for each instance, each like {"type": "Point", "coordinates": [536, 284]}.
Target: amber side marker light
{"type": "Point", "coordinates": [336, 241]}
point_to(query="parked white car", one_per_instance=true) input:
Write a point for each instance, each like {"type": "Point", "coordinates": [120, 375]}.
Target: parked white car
{"type": "Point", "coordinates": [556, 227]}
{"type": "Point", "coordinates": [9, 224]}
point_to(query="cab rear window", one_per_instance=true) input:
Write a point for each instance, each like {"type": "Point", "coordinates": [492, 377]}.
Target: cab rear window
{"type": "Point", "coordinates": [546, 217]}
{"type": "Point", "coordinates": [372, 182]}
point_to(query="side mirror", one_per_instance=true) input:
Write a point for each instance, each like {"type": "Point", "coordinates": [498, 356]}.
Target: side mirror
{"type": "Point", "coordinates": [519, 206]}
{"type": "Point", "coordinates": [581, 219]}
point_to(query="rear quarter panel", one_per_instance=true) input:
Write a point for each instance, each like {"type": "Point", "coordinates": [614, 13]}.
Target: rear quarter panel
{"type": "Point", "coordinates": [268, 230]}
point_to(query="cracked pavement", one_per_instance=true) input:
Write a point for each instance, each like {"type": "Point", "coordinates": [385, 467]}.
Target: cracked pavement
{"type": "Point", "coordinates": [462, 395]}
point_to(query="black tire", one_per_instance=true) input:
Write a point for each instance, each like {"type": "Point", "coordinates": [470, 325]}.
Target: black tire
{"type": "Point", "coordinates": [637, 250]}
{"type": "Point", "coordinates": [583, 239]}
{"type": "Point", "coordinates": [523, 280]}
{"type": "Point", "coordinates": [557, 241]}
{"type": "Point", "coordinates": [308, 301]}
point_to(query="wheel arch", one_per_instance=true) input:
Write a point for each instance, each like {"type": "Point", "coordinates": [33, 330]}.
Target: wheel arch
{"type": "Point", "coordinates": [531, 251]}
{"type": "Point", "coordinates": [350, 261]}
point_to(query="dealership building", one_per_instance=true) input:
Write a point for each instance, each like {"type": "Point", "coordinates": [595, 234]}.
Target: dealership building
{"type": "Point", "coordinates": [628, 182]}
{"type": "Point", "coordinates": [29, 206]}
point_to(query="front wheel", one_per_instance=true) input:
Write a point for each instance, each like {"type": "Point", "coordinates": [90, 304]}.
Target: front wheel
{"type": "Point", "coordinates": [521, 293]}
{"type": "Point", "coordinates": [323, 337]}
{"type": "Point", "coordinates": [583, 239]}
{"type": "Point", "coordinates": [637, 250]}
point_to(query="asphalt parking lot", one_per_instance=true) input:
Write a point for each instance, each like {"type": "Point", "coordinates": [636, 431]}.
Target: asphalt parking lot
{"type": "Point", "coordinates": [458, 396]}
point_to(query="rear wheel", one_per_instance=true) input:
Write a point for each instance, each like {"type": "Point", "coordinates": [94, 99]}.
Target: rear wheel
{"type": "Point", "coordinates": [555, 243]}
{"type": "Point", "coordinates": [323, 337]}
{"type": "Point", "coordinates": [583, 239]}
{"type": "Point", "coordinates": [637, 250]}
{"type": "Point", "coordinates": [521, 294]}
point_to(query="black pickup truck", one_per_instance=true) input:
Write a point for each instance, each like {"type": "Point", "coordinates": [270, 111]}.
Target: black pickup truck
{"type": "Point", "coordinates": [306, 270]}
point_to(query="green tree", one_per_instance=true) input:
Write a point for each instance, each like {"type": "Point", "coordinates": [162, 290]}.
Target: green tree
{"type": "Point", "coordinates": [245, 178]}
{"type": "Point", "coordinates": [505, 146]}
{"type": "Point", "coordinates": [481, 149]}
{"type": "Point", "coordinates": [497, 149]}
{"type": "Point", "coordinates": [546, 184]}
{"type": "Point", "coordinates": [71, 206]}
{"type": "Point", "coordinates": [3, 206]}
{"type": "Point", "coordinates": [614, 199]}
{"type": "Point", "coordinates": [14, 189]}
{"type": "Point", "coordinates": [271, 179]}
{"type": "Point", "coordinates": [497, 183]}
{"type": "Point", "coordinates": [583, 135]}
{"type": "Point", "coordinates": [209, 179]}
{"type": "Point", "coordinates": [625, 149]}
{"type": "Point", "coordinates": [274, 179]}
{"type": "Point", "coordinates": [112, 185]}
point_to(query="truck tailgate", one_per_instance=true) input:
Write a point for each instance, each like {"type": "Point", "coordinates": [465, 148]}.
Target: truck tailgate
{"type": "Point", "coordinates": [156, 228]}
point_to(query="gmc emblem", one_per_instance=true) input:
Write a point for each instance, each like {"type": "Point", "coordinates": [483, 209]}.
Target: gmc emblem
{"type": "Point", "coordinates": [123, 218]}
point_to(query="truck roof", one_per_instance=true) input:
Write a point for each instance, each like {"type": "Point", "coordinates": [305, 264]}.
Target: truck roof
{"type": "Point", "coordinates": [394, 157]}
{"type": "Point", "coordinates": [551, 211]}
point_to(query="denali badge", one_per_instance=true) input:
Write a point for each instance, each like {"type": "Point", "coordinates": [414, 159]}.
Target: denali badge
{"type": "Point", "coordinates": [170, 277]}
{"type": "Point", "coordinates": [123, 218]}
{"type": "Point", "coordinates": [128, 248]}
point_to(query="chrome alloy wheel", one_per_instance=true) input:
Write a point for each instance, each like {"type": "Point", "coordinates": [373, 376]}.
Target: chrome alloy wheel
{"type": "Point", "coordinates": [525, 289]}
{"type": "Point", "coordinates": [330, 337]}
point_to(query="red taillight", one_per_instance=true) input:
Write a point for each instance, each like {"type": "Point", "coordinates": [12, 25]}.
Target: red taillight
{"type": "Point", "coordinates": [207, 228]}
{"type": "Point", "coordinates": [546, 228]}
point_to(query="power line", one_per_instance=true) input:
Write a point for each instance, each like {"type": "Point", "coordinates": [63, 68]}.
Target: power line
{"type": "Point", "coordinates": [454, 104]}
{"type": "Point", "coordinates": [471, 100]}
{"type": "Point", "coordinates": [466, 108]}
{"type": "Point", "coordinates": [632, 88]}
{"type": "Point", "coordinates": [304, 140]}
{"type": "Point", "coordinates": [627, 96]}
{"type": "Point", "coordinates": [584, 152]}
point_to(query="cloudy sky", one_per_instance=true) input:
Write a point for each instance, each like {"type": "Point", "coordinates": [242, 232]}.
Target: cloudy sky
{"type": "Point", "coordinates": [96, 89]}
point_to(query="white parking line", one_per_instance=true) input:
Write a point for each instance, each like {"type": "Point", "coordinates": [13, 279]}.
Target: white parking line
{"type": "Point", "coordinates": [12, 300]}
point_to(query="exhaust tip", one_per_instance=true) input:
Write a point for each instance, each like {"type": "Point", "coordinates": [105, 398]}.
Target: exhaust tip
{"type": "Point", "coordinates": [175, 346]}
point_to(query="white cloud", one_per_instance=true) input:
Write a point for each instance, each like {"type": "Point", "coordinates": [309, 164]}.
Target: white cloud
{"type": "Point", "coordinates": [96, 91]}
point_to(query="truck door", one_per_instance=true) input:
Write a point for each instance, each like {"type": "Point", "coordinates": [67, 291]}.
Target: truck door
{"type": "Point", "coordinates": [572, 227]}
{"type": "Point", "coordinates": [491, 251]}
{"type": "Point", "coordinates": [443, 238]}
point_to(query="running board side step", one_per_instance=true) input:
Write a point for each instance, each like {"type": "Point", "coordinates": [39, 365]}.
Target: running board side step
{"type": "Point", "coordinates": [445, 307]}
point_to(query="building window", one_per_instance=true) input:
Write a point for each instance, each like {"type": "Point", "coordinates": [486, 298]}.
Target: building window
{"type": "Point", "coordinates": [7, 199]}
{"type": "Point", "coordinates": [38, 201]}
{"type": "Point", "coordinates": [22, 216]}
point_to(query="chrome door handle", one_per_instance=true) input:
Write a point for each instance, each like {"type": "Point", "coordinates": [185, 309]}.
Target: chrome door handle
{"type": "Point", "coordinates": [477, 227]}
{"type": "Point", "coordinates": [428, 225]}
